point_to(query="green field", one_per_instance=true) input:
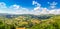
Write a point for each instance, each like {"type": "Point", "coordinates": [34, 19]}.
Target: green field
{"type": "Point", "coordinates": [30, 22]}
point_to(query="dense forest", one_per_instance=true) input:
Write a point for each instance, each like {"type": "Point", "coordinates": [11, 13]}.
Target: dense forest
{"type": "Point", "coordinates": [28, 21]}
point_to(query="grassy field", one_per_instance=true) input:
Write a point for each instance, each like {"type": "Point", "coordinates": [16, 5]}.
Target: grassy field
{"type": "Point", "coordinates": [30, 22]}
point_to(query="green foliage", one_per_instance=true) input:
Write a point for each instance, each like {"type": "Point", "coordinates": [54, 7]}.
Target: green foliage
{"type": "Point", "coordinates": [30, 23]}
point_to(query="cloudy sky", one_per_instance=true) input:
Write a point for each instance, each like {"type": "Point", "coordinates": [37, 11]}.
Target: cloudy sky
{"type": "Point", "coordinates": [30, 6]}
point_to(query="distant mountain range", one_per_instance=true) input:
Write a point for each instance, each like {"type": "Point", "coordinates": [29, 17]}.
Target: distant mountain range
{"type": "Point", "coordinates": [26, 15]}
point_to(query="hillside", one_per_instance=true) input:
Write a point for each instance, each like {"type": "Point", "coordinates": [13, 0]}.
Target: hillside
{"type": "Point", "coordinates": [29, 21]}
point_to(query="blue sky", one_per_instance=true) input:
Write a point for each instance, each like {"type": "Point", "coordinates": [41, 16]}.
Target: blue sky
{"type": "Point", "coordinates": [28, 3]}
{"type": "Point", "coordinates": [30, 6]}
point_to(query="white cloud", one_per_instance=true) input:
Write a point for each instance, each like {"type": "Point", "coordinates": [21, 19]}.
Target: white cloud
{"type": "Point", "coordinates": [44, 11]}
{"type": "Point", "coordinates": [36, 3]}
{"type": "Point", "coordinates": [2, 5]}
{"type": "Point", "coordinates": [14, 6]}
{"type": "Point", "coordinates": [37, 8]}
{"type": "Point", "coordinates": [53, 4]}
{"type": "Point", "coordinates": [16, 9]}
{"type": "Point", "coordinates": [54, 11]}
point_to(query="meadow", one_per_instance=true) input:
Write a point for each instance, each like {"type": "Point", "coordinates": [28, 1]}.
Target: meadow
{"type": "Point", "coordinates": [27, 21]}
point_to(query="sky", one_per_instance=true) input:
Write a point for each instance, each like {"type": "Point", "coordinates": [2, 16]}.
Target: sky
{"type": "Point", "coordinates": [30, 6]}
